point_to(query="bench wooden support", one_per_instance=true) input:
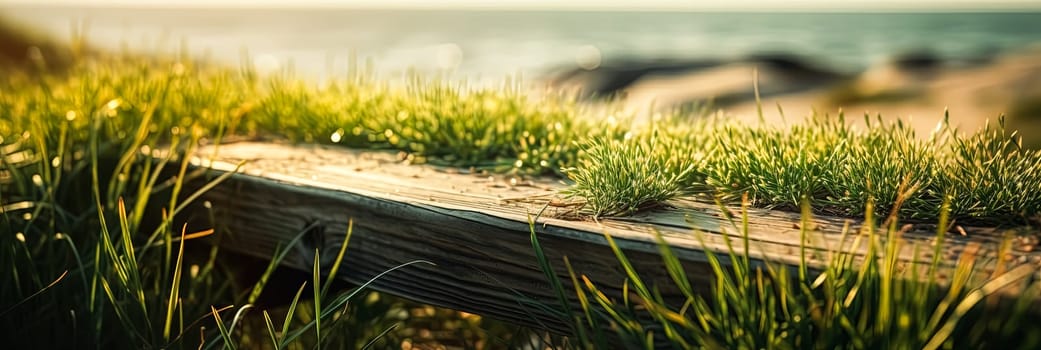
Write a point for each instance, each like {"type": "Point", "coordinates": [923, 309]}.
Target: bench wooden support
{"type": "Point", "coordinates": [474, 227]}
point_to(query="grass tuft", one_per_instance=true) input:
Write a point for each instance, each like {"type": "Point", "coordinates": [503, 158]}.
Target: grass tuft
{"type": "Point", "coordinates": [618, 177]}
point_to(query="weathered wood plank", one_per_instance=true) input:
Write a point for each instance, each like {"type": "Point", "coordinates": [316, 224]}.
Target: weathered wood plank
{"type": "Point", "coordinates": [475, 228]}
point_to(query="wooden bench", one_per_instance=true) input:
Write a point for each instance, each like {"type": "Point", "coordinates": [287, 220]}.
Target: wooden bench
{"type": "Point", "coordinates": [475, 227]}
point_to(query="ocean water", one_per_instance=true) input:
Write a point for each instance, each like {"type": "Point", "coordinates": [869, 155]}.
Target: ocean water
{"type": "Point", "coordinates": [491, 45]}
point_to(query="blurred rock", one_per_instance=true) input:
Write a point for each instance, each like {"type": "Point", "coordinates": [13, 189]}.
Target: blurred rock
{"type": "Point", "coordinates": [666, 83]}
{"type": "Point", "coordinates": [917, 61]}
{"type": "Point", "coordinates": [608, 80]}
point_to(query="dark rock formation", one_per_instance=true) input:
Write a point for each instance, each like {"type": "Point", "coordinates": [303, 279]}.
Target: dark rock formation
{"type": "Point", "coordinates": [779, 74]}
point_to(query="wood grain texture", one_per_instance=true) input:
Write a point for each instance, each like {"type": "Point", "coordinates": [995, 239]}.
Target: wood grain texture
{"type": "Point", "coordinates": [474, 227]}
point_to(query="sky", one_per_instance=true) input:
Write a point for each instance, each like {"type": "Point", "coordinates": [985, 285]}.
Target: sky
{"type": "Point", "coordinates": [568, 4]}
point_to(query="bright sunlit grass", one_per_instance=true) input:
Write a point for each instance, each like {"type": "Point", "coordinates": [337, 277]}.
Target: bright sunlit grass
{"type": "Point", "coordinates": [852, 302]}
{"type": "Point", "coordinates": [93, 249]}
{"type": "Point", "coordinates": [78, 178]}
{"type": "Point", "coordinates": [837, 166]}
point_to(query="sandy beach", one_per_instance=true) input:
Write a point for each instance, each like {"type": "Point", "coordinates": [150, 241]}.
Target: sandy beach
{"type": "Point", "coordinates": [915, 89]}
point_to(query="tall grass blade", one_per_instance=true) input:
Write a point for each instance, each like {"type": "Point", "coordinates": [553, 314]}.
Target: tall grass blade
{"type": "Point", "coordinates": [289, 316]}
{"type": "Point", "coordinates": [378, 337]}
{"type": "Point", "coordinates": [344, 298]}
{"type": "Point", "coordinates": [238, 316]}
{"type": "Point", "coordinates": [339, 257]}
{"type": "Point", "coordinates": [547, 269]}
{"type": "Point", "coordinates": [222, 329]}
{"type": "Point", "coordinates": [37, 293]}
{"type": "Point", "coordinates": [317, 275]}
{"type": "Point", "coordinates": [175, 287]}
{"type": "Point", "coordinates": [276, 260]}
{"type": "Point", "coordinates": [271, 331]}
{"type": "Point", "coordinates": [974, 297]}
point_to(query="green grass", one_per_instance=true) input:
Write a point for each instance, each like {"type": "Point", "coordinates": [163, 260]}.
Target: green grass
{"type": "Point", "coordinates": [852, 302]}
{"type": "Point", "coordinates": [838, 166]}
{"type": "Point", "coordinates": [94, 253]}
{"type": "Point", "coordinates": [92, 240]}
{"type": "Point", "coordinates": [623, 176]}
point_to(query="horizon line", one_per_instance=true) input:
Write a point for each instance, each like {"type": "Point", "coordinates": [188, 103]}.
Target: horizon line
{"type": "Point", "coordinates": [912, 8]}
